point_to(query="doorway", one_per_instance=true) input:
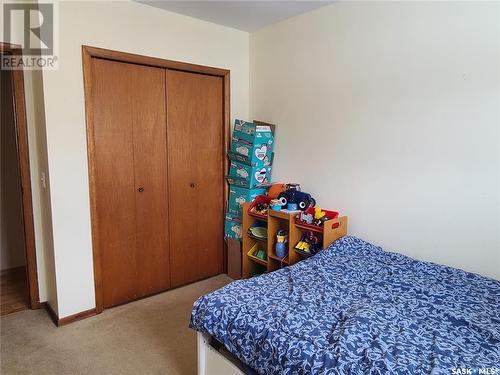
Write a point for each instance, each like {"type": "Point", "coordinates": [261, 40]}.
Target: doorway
{"type": "Point", "coordinates": [19, 285]}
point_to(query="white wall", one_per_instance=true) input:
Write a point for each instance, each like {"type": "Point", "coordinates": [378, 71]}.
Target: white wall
{"type": "Point", "coordinates": [130, 27]}
{"type": "Point", "coordinates": [389, 113]}
{"type": "Point", "coordinates": [42, 217]}
{"type": "Point", "coordinates": [386, 111]}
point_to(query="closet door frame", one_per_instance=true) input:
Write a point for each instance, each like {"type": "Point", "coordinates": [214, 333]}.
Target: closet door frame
{"type": "Point", "coordinates": [88, 53]}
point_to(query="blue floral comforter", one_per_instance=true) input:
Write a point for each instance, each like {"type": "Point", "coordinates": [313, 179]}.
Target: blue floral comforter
{"type": "Point", "coordinates": [356, 309]}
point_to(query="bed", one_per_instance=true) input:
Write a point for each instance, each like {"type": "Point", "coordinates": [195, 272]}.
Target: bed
{"type": "Point", "coordinates": [356, 309]}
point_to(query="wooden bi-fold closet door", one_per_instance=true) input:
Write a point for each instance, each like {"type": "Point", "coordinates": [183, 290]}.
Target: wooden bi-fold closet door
{"type": "Point", "coordinates": [195, 162]}
{"type": "Point", "coordinates": [130, 179]}
{"type": "Point", "coordinates": [156, 140]}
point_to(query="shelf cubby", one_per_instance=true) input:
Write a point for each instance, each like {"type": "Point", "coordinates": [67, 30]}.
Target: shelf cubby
{"type": "Point", "coordinates": [276, 220]}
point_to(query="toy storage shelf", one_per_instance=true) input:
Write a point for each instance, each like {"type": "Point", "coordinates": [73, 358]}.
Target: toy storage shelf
{"type": "Point", "coordinates": [312, 228]}
{"type": "Point", "coordinates": [257, 216]}
{"type": "Point", "coordinates": [261, 239]}
{"type": "Point", "coordinates": [254, 258]}
{"type": "Point", "coordinates": [302, 254]}
{"type": "Point", "coordinates": [251, 264]}
{"type": "Point", "coordinates": [285, 260]}
{"type": "Point", "coordinates": [276, 220]}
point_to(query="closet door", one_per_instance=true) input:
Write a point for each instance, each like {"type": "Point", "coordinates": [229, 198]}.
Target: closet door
{"type": "Point", "coordinates": [130, 187]}
{"type": "Point", "coordinates": [150, 167]}
{"type": "Point", "coordinates": [195, 168]}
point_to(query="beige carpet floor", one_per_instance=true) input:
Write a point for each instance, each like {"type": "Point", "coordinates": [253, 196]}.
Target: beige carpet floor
{"type": "Point", "coordinates": [150, 336]}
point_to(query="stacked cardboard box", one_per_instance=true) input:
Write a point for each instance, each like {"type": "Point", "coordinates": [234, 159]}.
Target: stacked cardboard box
{"type": "Point", "coordinates": [250, 169]}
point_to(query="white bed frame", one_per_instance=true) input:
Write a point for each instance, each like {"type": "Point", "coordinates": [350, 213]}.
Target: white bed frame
{"type": "Point", "coordinates": [211, 361]}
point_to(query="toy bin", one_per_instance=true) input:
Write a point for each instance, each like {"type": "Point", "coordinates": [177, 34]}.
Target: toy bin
{"type": "Point", "coordinates": [233, 227]}
{"type": "Point", "coordinates": [239, 195]}
{"type": "Point", "coordinates": [260, 199]}
{"type": "Point", "coordinates": [247, 176]}
{"type": "Point", "coordinates": [330, 215]}
{"type": "Point", "coordinates": [252, 254]}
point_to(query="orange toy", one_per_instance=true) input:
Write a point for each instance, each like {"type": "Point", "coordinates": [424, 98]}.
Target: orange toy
{"type": "Point", "coordinates": [275, 190]}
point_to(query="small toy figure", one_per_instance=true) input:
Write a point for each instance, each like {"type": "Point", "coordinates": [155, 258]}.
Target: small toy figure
{"type": "Point", "coordinates": [319, 217]}
{"type": "Point", "coordinates": [281, 241]}
{"type": "Point", "coordinates": [306, 218]}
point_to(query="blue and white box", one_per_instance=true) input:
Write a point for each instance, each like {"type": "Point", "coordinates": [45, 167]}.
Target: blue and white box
{"type": "Point", "coordinates": [247, 176]}
{"type": "Point", "coordinates": [252, 144]}
{"type": "Point", "coordinates": [233, 227]}
{"type": "Point", "coordinates": [239, 195]}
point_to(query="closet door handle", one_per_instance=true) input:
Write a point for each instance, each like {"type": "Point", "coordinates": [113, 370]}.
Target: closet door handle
{"type": "Point", "coordinates": [192, 184]}
{"type": "Point", "coordinates": [140, 189]}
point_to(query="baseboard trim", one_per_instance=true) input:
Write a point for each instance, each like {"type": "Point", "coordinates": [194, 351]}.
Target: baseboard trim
{"type": "Point", "coordinates": [53, 316]}
{"type": "Point", "coordinates": [76, 317]}
{"type": "Point", "coordinates": [68, 319]}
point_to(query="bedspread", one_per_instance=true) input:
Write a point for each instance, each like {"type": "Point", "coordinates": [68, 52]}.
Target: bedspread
{"type": "Point", "coordinates": [357, 309]}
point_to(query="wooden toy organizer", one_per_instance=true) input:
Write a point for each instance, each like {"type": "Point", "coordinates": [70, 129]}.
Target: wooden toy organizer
{"type": "Point", "coordinates": [276, 220]}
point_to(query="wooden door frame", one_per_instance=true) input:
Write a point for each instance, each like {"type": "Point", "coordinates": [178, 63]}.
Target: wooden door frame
{"type": "Point", "coordinates": [88, 53]}
{"type": "Point", "coordinates": [25, 178]}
